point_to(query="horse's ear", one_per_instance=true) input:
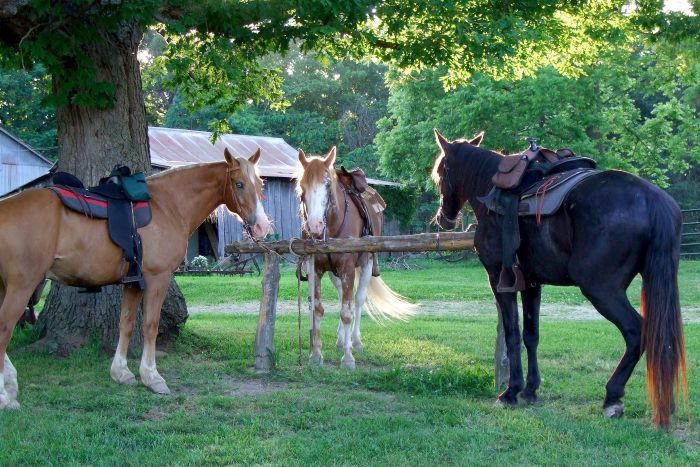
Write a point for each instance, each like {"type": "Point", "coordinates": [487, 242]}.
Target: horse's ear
{"type": "Point", "coordinates": [330, 158]}
{"type": "Point", "coordinates": [255, 157]}
{"type": "Point", "coordinates": [230, 160]}
{"type": "Point", "coordinates": [441, 140]}
{"type": "Point", "coordinates": [477, 139]}
{"type": "Point", "coordinates": [302, 158]}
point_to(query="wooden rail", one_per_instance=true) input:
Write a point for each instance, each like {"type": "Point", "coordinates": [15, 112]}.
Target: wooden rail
{"type": "Point", "coordinates": [445, 241]}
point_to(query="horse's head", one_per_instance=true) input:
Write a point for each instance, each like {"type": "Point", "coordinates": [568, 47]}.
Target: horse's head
{"type": "Point", "coordinates": [445, 170]}
{"type": "Point", "coordinates": [243, 193]}
{"type": "Point", "coordinates": [316, 188]}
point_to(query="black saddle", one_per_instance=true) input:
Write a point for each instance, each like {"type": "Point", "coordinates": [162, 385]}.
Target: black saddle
{"type": "Point", "coordinates": [109, 201]}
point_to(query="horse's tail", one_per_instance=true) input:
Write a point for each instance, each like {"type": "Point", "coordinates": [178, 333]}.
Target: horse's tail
{"type": "Point", "coordinates": [662, 326]}
{"type": "Point", "coordinates": [383, 303]}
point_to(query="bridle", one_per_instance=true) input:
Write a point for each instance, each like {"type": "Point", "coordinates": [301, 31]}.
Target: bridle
{"type": "Point", "coordinates": [330, 204]}
{"type": "Point", "coordinates": [236, 204]}
{"type": "Point", "coordinates": [445, 178]}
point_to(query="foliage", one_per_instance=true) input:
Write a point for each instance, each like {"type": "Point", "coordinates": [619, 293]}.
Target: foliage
{"type": "Point", "coordinates": [199, 263]}
{"type": "Point", "coordinates": [634, 111]}
{"type": "Point", "coordinates": [23, 111]}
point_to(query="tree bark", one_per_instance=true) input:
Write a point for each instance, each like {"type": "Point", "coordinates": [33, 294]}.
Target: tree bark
{"type": "Point", "coordinates": [91, 142]}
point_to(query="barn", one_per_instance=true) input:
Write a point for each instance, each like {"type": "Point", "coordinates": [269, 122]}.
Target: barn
{"type": "Point", "coordinates": [19, 163]}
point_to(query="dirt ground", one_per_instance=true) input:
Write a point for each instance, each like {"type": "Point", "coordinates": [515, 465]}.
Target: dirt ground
{"type": "Point", "coordinates": [548, 311]}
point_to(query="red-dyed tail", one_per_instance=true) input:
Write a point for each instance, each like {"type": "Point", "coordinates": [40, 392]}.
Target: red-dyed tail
{"type": "Point", "coordinates": [662, 328]}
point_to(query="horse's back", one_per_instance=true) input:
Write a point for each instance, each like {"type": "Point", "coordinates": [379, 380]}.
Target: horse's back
{"type": "Point", "coordinates": [614, 217]}
{"type": "Point", "coordinates": [605, 226]}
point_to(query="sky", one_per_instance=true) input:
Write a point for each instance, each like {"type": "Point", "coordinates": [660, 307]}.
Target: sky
{"type": "Point", "coordinates": [677, 5]}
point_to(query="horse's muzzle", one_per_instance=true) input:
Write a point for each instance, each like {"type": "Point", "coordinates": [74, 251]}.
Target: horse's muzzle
{"type": "Point", "coordinates": [444, 222]}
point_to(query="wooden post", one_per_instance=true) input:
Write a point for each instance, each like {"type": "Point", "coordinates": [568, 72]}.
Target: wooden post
{"type": "Point", "coordinates": [311, 281]}
{"type": "Point", "coordinates": [501, 364]}
{"type": "Point", "coordinates": [264, 337]}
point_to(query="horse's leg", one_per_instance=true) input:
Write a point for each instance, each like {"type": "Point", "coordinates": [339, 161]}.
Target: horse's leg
{"type": "Point", "coordinates": [316, 356]}
{"type": "Point", "coordinates": [131, 297]}
{"type": "Point", "coordinates": [14, 300]}
{"type": "Point", "coordinates": [616, 308]}
{"type": "Point", "coordinates": [531, 337]}
{"type": "Point", "coordinates": [340, 341]}
{"type": "Point", "coordinates": [360, 297]}
{"type": "Point", "coordinates": [153, 296]}
{"type": "Point", "coordinates": [347, 276]}
{"type": "Point", "coordinates": [508, 305]}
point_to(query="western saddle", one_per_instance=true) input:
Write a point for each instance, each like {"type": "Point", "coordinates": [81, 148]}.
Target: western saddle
{"type": "Point", "coordinates": [122, 199]}
{"type": "Point", "coordinates": [520, 184]}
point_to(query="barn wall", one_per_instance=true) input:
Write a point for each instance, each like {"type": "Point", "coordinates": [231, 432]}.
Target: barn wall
{"type": "Point", "coordinates": [18, 165]}
{"type": "Point", "coordinates": [281, 206]}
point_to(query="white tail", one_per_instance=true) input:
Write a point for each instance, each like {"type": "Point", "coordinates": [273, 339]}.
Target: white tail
{"type": "Point", "coordinates": [383, 303]}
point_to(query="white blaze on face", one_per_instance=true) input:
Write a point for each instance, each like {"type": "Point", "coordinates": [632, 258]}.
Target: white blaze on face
{"type": "Point", "coordinates": [316, 201]}
{"type": "Point", "coordinates": [262, 223]}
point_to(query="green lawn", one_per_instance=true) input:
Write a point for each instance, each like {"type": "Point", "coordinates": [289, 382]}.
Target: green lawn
{"type": "Point", "coordinates": [422, 393]}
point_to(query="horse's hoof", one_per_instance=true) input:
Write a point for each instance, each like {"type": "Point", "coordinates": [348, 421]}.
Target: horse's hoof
{"type": "Point", "coordinates": [615, 410]}
{"type": "Point", "coordinates": [358, 347]}
{"type": "Point", "coordinates": [159, 387]}
{"type": "Point", "coordinates": [8, 403]}
{"type": "Point", "coordinates": [126, 377]}
{"type": "Point", "coordinates": [348, 363]}
{"type": "Point", "coordinates": [530, 398]}
{"type": "Point", "coordinates": [316, 360]}
{"type": "Point", "coordinates": [506, 402]}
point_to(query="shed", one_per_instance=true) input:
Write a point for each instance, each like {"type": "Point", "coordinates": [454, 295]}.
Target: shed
{"type": "Point", "coordinates": [19, 163]}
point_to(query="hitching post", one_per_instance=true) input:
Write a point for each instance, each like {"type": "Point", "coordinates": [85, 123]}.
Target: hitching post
{"type": "Point", "coordinates": [311, 278]}
{"type": "Point", "coordinates": [264, 337]}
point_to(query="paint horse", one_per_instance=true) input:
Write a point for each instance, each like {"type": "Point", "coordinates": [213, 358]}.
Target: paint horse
{"type": "Point", "coordinates": [77, 251]}
{"type": "Point", "coordinates": [327, 211]}
{"type": "Point", "coordinates": [611, 227]}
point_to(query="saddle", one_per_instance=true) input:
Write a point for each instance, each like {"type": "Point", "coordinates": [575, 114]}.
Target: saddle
{"type": "Point", "coordinates": [534, 182]}
{"type": "Point", "coordinates": [122, 199]}
{"type": "Point", "coordinates": [370, 203]}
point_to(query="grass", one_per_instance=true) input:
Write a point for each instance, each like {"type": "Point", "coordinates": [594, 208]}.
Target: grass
{"type": "Point", "coordinates": [422, 393]}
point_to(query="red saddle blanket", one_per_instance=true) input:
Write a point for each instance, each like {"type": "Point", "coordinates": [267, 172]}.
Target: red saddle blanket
{"type": "Point", "coordinates": [95, 206]}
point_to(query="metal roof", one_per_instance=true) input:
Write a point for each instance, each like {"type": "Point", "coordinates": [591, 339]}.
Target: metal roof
{"type": "Point", "coordinates": [172, 147]}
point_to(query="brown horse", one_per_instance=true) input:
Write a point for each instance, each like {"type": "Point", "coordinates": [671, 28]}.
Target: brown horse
{"type": "Point", "coordinates": [327, 211]}
{"type": "Point", "coordinates": [77, 251]}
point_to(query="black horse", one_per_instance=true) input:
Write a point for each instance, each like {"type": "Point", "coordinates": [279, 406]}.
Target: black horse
{"type": "Point", "coordinates": [611, 227]}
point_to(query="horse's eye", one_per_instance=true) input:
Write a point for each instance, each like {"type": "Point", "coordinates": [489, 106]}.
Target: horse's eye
{"type": "Point", "coordinates": [239, 185]}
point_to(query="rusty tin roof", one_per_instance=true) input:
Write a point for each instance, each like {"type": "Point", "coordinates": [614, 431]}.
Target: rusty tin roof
{"type": "Point", "coordinates": [172, 147]}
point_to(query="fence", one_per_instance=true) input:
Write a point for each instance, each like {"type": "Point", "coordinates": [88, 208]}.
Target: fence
{"type": "Point", "coordinates": [264, 349]}
{"type": "Point", "coordinates": [690, 239]}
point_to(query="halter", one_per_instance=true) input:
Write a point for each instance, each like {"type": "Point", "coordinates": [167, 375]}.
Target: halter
{"type": "Point", "coordinates": [237, 205]}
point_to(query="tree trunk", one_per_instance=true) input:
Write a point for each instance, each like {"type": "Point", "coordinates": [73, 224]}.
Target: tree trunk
{"type": "Point", "coordinates": [91, 142]}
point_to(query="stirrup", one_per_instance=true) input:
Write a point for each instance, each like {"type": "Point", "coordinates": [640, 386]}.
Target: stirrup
{"type": "Point", "coordinates": [508, 283]}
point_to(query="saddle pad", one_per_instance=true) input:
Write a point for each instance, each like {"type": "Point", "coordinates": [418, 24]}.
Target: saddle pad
{"type": "Point", "coordinates": [545, 197]}
{"type": "Point", "coordinates": [95, 206]}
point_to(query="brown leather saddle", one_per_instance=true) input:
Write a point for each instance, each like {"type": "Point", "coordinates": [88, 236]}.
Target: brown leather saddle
{"type": "Point", "coordinates": [522, 183]}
